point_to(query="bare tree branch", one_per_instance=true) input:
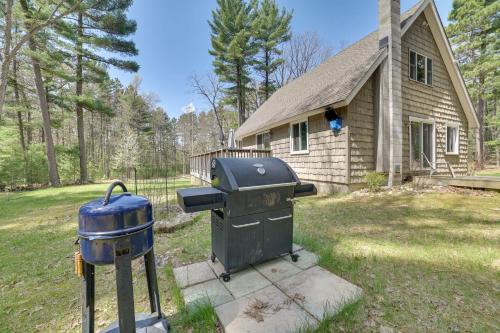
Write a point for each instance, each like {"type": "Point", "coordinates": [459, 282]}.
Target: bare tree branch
{"type": "Point", "coordinates": [210, 88]}
{"type": "Point", "coordinates": [302, 53]}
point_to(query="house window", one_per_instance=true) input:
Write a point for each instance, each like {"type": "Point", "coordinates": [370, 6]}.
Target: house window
{"type": "Point", "coordinates": [263, 140]}
{"type": "Point", "coordinates": [420, 68]}
{"type": "Point", "coordinates": [299, 137]}
{"type": "Point", "coordinates": [422, 143]}
{"type": "Point", "coordinates": [452, 139]}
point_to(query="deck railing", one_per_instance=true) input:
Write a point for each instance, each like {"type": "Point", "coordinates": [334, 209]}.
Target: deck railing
{"type": "Point", "coordinates": [200, 164]}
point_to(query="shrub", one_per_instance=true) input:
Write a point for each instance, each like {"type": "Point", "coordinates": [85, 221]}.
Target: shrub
{"type": "Point", "coordinates": [374, 180]}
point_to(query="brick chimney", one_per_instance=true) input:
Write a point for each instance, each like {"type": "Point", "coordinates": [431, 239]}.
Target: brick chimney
{"type": "Point", "coordinates": [390, 113]}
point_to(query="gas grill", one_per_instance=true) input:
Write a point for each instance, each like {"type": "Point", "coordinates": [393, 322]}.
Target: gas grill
{"type": "Point", "coordinates": [251, 203]}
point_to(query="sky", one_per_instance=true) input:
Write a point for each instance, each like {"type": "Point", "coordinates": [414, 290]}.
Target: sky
{"type": "Point", "coordinates": [173, 39]}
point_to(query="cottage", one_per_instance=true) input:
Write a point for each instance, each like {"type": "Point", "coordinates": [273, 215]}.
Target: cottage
{"type": "Point", "coordinates": [394, 102]}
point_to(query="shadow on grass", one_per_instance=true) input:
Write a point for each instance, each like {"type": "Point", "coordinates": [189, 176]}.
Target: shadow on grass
{"type": "Point", "coordinates": [423, 263]}
{"type": "Point", "coordinates": [400, 218]}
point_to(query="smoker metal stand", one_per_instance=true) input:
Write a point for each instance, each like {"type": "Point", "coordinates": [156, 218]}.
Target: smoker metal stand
{"type": "Point", "coordinates": [128, 321]}
{"type": "Point", "coordinates": [124, 286]}
{"type": "Point", "coordinates": [88, 294]}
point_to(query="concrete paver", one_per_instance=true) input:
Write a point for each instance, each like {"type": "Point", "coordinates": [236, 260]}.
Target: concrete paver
{"type": "Point", "coordinates": [199, 272]}
{"type": "Point", "coordinates": [209, 291]}
{"type": "Point", "coordinates": [296, 247]}
{"type": "Point", "coordinates": [319, 291]}
{"type": "Point", "coordinates": [267, 310]}
{"type": "Point", "coordinates": [180, 274]}
{"type": "Point", "coordinates": [275, 296]}
{"type": "Point", "coordinates": [216, 266]}
{"type": "Point", "coordinates": [277, 269]}
{"type": "Point", "coordinates": [306, 259]}
{"type": "Point", "coordinates": [245, 282]}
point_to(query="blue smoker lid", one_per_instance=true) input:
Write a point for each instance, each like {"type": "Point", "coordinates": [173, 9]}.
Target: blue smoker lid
{"type": "Point", "coordinates": [122, 213]}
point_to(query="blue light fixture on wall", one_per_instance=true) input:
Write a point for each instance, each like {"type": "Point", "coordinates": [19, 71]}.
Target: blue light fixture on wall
{"type": "Point", "coordinates": [334, 120]}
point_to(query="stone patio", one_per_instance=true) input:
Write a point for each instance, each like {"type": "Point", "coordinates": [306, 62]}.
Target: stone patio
{"type": "Point", "coordinates": [276, 296]}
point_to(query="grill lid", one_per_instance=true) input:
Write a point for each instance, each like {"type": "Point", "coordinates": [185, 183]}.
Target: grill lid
{"type": "Point", "coordinates": [239, 174]}
{"type": "Point", "coordinates": [114, 215]}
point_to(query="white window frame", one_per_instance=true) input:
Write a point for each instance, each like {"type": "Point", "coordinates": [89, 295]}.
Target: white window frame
{"type": "Point", "coordinates": [416, 70]}
{"type": "Point", "coordinates": [290, 129]}
{"type": "Point", "coordinates": [457, 143]}
{"type": "Point", "coordinates": [433, 157]}
{"type": "Point", "coordinates": [261, 133]}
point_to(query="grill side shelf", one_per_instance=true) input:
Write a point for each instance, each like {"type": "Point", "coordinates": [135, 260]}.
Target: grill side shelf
{"type": "Point", "coordinates": [200, 199]}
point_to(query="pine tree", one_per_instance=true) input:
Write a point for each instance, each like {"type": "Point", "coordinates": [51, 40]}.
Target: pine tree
{"type": "Point", "coordinates": [272, 28]}
{"type": "Point", "coordinates": [234, 48]}
{"type": "Point", "coordinates": [474, 28]}
{"type": "Point", "coordinates": [100, 26]}
{"type": "Point", "coordinates": [42, 96]}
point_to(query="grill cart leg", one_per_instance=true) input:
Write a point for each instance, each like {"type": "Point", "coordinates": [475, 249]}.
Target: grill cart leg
{"type": "Point", "coordinates": [212, 257]}
{"type": "Point", "coordinates": [154, 296]}
{"type": "Point", "coordinates": [124, 287]}
{"type": "Point", "coordinates": [294, 256]}
{"type": "Point", "coordinates": [88, 293]}
{"type": "Point", "coordinates": [226, 277]}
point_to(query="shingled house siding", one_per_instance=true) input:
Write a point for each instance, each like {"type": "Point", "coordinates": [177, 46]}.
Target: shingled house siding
{"type": "Point", "coordinates": [439, 102]}
{"type": "Point", "coordinates": [325, 164]}
{"type": "Point", "coordinates": [362, 133]}
{"type": "Point", "coordinates": [249, 142]}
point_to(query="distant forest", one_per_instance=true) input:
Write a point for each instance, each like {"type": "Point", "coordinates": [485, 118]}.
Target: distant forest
{"type": "Point", "coordinates": [64, 120]}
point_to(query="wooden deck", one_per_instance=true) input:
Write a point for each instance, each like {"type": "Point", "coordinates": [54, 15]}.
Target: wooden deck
{"type": "Point", "coordinates": [479, 182]}
{"type": "Point", "coordinates": [199, 165]}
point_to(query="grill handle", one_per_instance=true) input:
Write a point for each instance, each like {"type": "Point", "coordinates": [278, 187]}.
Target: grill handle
{"type": "Point", "coordinates": [279, 218]}
{"type": "Point", "coordinates": [246, 225]}
{"type": "Point", "coordinates": [114, 184]}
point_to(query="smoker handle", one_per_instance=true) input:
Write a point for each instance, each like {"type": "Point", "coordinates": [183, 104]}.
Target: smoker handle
{"type": "Point", "coordinates": [246, 225]}
{"type": "Point", "coordinates": [107, 196]}
{"type": "Point", "coordinates": [279, 218]}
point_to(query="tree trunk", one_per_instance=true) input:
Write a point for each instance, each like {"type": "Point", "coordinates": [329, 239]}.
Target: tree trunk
{"type": "Point", "coordinates": [480, 136]}
{"type": "Point", "coordinates": [47, 130]}
{"type": "Point", "coordinates": [239, 94]}
{"type": "Point", "coordinates": [7, 39]}
{"type": "Point", "coordinates": [267, 88]}
{"type": "Point", "coordinates": [92, 138]}
{"type": "Point", "coordinates": [44, 107]}
{"type": "Point", "coordinates": [497, 149]}
{"type": "Point", "coordinates": [79, 108]}
{"type": "Point", "coordinates": [29, 131]}
{"type": "Point", "coordinates": [18, 102]}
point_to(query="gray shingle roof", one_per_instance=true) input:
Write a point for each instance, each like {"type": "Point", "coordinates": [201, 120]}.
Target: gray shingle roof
{"type": "Point", "coordinates": [330, 82]}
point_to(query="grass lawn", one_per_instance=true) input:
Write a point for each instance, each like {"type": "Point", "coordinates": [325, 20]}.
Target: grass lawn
{"type": "Point", "coordinates": [426, 262]}
{"type": "Point", "coordinates": [489, 171]}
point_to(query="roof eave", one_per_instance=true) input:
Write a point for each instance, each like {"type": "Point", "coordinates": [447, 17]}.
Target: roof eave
{"type": "Point", "coordinates": [303, 115]}
{"type": "Point", "coordinates": [378, 60]}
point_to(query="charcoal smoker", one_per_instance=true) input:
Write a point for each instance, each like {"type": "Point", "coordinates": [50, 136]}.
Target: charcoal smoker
{"type": "Point", "coordinates": [115, 230]}
{"type": "Point", "coordinates": [251, 203]}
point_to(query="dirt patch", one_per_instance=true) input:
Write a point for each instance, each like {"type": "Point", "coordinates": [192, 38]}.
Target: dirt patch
{"type": "Point", "coordinates": [412, 188]}
{"type": "Point", "coordinates": [175, 218]}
